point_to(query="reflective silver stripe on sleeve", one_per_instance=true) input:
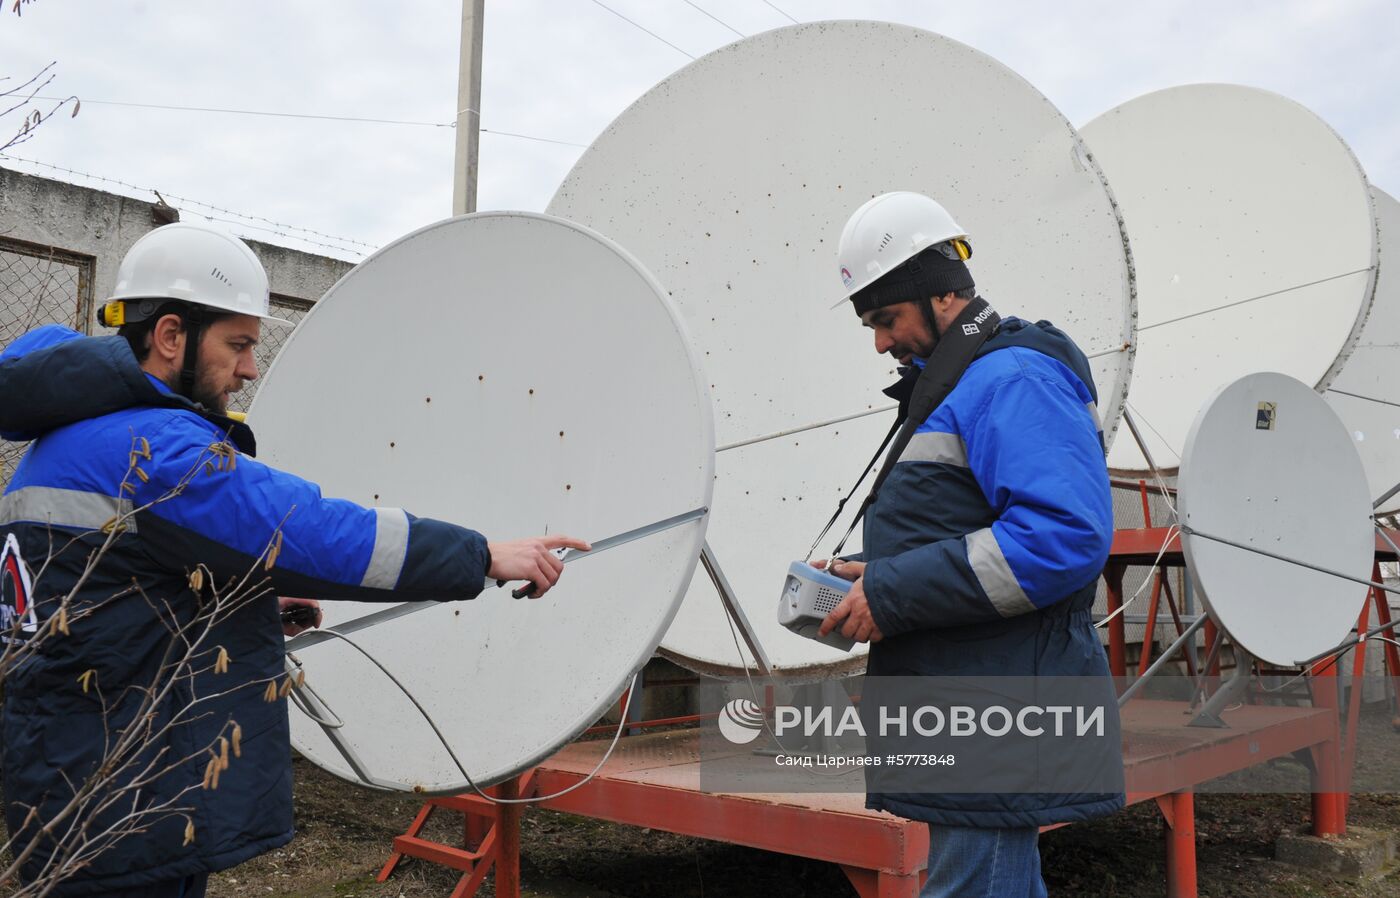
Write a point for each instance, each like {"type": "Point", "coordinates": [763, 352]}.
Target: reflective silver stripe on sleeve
{"type": "Point", "coordinates": [390, 547]}
{"type": "Point", "coordinates": [1094, 413]}
{"type": "Point", "coordinates": [997, 579]}
{"type": "Point", "coordinates": [64, 508]}
{"type": "Point", "coordinates": [945, 448]}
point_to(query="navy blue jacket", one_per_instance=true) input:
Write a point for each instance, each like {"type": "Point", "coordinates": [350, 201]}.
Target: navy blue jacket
{"type": "Point", "coordinates": [108, 439]}
{"type": "Point", "coordinates": [985, 544]}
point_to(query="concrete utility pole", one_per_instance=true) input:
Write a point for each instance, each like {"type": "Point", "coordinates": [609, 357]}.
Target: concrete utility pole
{"type": "Point", "coordinates": [468, 108]}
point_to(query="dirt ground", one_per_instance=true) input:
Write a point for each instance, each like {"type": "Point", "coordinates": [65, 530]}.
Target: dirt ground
{"type": "Point", "coordinates": [345, 832]}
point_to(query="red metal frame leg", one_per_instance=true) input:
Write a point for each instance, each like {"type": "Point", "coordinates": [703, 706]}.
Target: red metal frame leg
{"type": "Point", "coordinates": [413, 830]}
{"type": "Point", "coordinates": [882, 884]}
{"type": "Point", "coordinates": [1179, 814]}
{"type": "Point", "coordinates": [1358, 677]}
{"type": "Point", "coordinates": [1117, 654]}
{"type": "Point", "coordinates": [1176, 621]}
{"type": "Point", "coordinates": [508, 846]}
{"type": "Point", "coordinates": [1328, 807]}
{"type": "Point", "coordinates": [1149, 632]}
{"type": "Point", "coordinates": [1392, 654]}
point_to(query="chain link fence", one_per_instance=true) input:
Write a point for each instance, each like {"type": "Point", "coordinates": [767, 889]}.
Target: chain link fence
{"type": "Point", "coordinates": [39, 285]}
{"type": "Point", "coordinates": [45, 285]}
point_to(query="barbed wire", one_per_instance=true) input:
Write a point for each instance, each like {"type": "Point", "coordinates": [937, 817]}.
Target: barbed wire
{"type": "Point", "coordinates": [278, 227]}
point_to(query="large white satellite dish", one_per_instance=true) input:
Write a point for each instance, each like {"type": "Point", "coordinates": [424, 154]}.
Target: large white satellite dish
{"type": "Point", "coordinates": [519, 375]}
{"type": "Point", "coordinates": [732, 180]}
{"type": "Point", "coordinates": [1366, 393]}
{"type": "Point", "coordinates": [1254, 243]}
{"type": "Point", "coordinates": [1269, 465]}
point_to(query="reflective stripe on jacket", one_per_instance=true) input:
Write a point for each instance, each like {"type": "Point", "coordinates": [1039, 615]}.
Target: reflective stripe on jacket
{"type": "Point", "coordinates": [96, 418]}
{"type": "Point", "coordinates": [984, 547]}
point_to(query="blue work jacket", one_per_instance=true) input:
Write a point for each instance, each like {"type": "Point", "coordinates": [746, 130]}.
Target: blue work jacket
{"type": "Point", "coordinates": [110, 439]}
{"type": "Point", "coordinates": [985, 544]}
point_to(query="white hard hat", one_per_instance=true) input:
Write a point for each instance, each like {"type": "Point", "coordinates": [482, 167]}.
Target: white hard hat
{"type": "Point", "coordinates": [191, 262]}
{"type": "Point", "coordinates": [888, 231]}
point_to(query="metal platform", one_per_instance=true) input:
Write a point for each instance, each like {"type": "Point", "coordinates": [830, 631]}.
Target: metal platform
{"type": "Point", "coordinates": [653, 781]}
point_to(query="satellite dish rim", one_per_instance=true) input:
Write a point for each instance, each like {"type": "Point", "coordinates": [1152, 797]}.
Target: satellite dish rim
{"type": "Point", "coordinates": [1191, 542]}
{"type": "Point", "coordinates": [1118, 277]}
{"type": "Point", "coordinates": [1363, 313]}
{"type": "Point", "coordinates": [328, 758]}
{"type": "Point", "coordinates": [1386, 290]}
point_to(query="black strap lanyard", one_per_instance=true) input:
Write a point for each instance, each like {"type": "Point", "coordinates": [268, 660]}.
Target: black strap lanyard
{"type": "Point", "coordinates": [956, 349]}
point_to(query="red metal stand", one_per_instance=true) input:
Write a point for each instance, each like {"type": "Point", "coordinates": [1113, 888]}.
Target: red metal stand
{"type": "Point", "coordinates": [491, 837]}
{"type": "Point", "coordinates": [1328, 809]}
{"type": "Point", "coordinates": [653, 780]}
{"type": "Point", "coordinates": [1117, 640]}
{"type": "Point", "coordinates": [1179, 829]}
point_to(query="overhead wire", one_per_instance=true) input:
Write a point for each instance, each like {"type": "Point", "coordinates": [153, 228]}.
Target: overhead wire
{"type": "Point", "coordinates": [260, 112]}
{"type": "Point", "coordinates": [780, 12]}
{"type": "Point", "coordinates": [565, 143]}
{"type": "Point", "coordinates": [319, 117]}
{"type": "Point", "coordinates": [642, 28]}
{"type": "Point", "coordinates": [711, 15]}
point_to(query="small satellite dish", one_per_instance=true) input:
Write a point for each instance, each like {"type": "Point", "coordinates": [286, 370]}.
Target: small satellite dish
{"type": "Point", "coordinates": [1268, 464]}
{"type": "Point", "coordinates": [519, 375]}
{"type": "Point", "coordinates": [732, 180]}
{"type": "Point", "coordinates": [1365, 394]}
{"type": "Point", "coordinates": [1254, 243]}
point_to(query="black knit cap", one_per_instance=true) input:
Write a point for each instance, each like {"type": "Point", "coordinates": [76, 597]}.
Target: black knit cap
{"type": "Point", "coordinates": [926, 274]}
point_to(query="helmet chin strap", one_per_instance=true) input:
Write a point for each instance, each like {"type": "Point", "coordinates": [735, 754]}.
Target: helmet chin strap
{"type": "Point", "coordinates": [193, 320]}
{"type": "Point", "coordinates": [926, 306]}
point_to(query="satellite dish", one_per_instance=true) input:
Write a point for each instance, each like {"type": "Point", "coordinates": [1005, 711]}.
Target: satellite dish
{"type": "Point", "coordinates": [1254, 243]}
{"type": "Point", "coordinates": [732, 180]}
{"type": "Point", "coordinates": [1268, 464]}
{"type": "Point", "coordinates": [520, 375]}
{"type": "Point", "coordinates": [1365, 393]}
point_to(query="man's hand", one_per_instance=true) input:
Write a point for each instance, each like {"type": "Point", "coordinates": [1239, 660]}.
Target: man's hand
{"type": "Point", "coordinates": [846, 570]}
{"type": "Point", "coordinates": [532, 559]}
{"type": "Point", "coordinates": [290, 629]}
{"type": "Point", "coordinates": [854, 610]}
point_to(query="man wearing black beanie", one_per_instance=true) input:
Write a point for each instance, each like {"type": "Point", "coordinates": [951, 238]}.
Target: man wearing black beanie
{"type": "Point", "coordinates": [985, 539]}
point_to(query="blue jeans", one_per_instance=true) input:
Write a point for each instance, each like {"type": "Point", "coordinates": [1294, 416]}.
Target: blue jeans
{"type": "Point", "coordinates": [964, 862]}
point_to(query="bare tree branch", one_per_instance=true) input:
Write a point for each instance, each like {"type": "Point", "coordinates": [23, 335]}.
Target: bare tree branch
{"type": "Point", "coordinates": [113, 800]}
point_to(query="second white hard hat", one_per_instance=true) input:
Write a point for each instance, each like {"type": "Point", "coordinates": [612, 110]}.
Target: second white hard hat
{"type": "Point", "coordinates": [196, 263]}
{"type": "Point", "coordinates": [888, 231]}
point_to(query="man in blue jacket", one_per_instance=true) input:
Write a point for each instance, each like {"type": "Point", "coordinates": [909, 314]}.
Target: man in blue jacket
{"type": "Point", "coordinates": [984, 545]}
{"type": "Point", "coordinates": [135, 764]}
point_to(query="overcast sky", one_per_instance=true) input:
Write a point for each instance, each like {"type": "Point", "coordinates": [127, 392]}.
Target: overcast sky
{"type": "Point", "coordinates": [562, 69]}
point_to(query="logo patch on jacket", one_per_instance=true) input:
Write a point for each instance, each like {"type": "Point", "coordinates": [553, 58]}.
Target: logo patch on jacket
{"type": "Point", "coordinates": [16, 609]}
